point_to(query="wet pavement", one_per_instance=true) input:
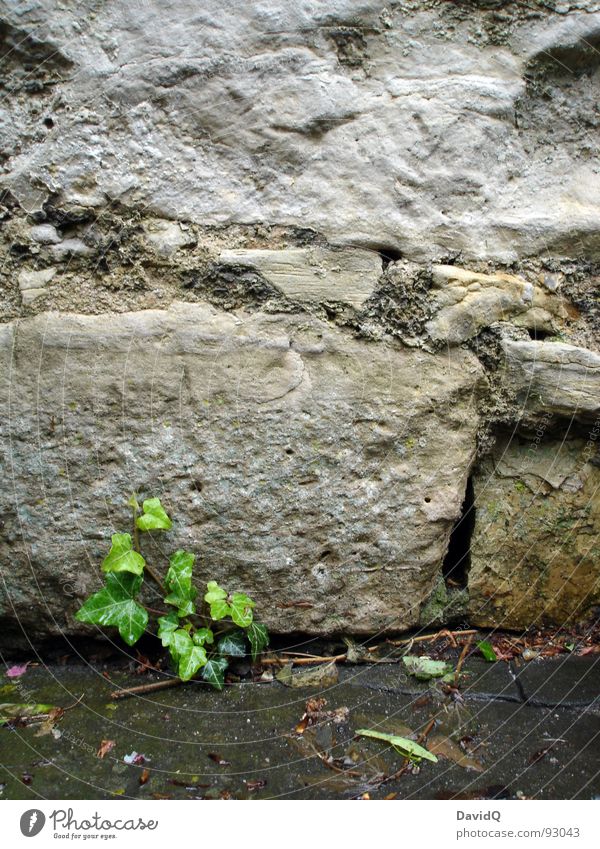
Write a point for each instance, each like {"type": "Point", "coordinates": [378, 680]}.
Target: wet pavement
{"type": "Point", "coordinates": [511, 732]}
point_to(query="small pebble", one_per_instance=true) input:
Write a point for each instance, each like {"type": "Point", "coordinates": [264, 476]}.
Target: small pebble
{"type": "Point", "coordinates": [529, 654]}
{"type": "Point", "coordinates": [45, 234]}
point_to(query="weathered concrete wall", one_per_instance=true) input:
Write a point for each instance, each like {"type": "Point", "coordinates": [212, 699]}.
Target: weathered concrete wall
{"type": "Point", "coordinates": [297, 270]}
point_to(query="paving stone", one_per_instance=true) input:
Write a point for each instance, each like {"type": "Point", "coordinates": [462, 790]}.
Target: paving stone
{"type": "Point", "coordinates": [517, 748]}
{"type": "Point", "coordinates": [565, 681]}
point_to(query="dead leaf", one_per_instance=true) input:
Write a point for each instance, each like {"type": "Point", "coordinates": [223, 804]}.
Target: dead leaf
{"type": "Point", "coordinates": [47, 726]}
{"type": "Point", "coordinates": [187, 784]}
{"type": "Point", "coordinates": [357, 653]}
{"type": "Point", "coordinates": [105, 747]}
{"type": "Point", "coordinates": [302, 725]}
{"type": "Point", "coordinates": [144, 776]}
{"type": "Point", "coordinates": [143, 664]}
{"type": "Point", "coordinates": [339, 715]}
{"type": "Point", "coordinates": [315, 713]}
{"type": "Point", "coordinates": [254, 784]}
{"type": "Point", "coordinates": [541, 753]}
{"type": "Point", "coordinates": [218, 759]}
{"type": "Point", "coordinates": [444, 746]}
{"type": "Point", "coordinates": [314, 707]}
{"type": "Point", "coordinates": [589, 650]}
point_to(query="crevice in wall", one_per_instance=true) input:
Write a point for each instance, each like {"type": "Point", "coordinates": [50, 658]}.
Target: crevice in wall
{"type": "Point", "coordinates": [537, 334]}
{"type": "Point", "coordinates": [455, 568]}
{"type": "Point", "coordinates": [389, 255]}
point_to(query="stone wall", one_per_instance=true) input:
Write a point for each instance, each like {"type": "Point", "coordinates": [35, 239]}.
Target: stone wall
{"type": "Point", "coordinates": [325, 278]}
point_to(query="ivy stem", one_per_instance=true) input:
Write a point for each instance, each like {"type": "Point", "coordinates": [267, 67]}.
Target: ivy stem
{"type": "Point", "coordinates": [146, 688]}
{"type": "Point", "coordinates": [155, 577]}
{"type": "Point", "coordinates": [136, 545]}
{"type": "Point", "coordinates": [157, 612]}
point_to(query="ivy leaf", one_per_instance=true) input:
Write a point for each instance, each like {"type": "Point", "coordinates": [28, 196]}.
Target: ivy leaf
{"type": "Point", "coordinates": [405, 747]}
{"type": "Point", "coordinates": [241, 609]}
{"type": "Point", "coordinates": [424, 668]}
{"type": "Point", "coordinates": [179, 576]}
{"type": "Point", "coordinates": [191, 662]}
{"type": "Point", "coordinates": [180, 644]}
{"type": "Point", "coordinates": [487, 650]}
{"type": "Point", "coordinates": [133, 502]}
{"type": "Point", "coordinates": [215, 592]}
{"type": "Point", "coordinates": [214, 672]}
{"type": "Point", "coordinates": [188, 656]}
{"type": "Point", "coordinates": [178, 581]}
{"type": "Point", "coordinates": [185, 607]}
{"type": "Point", "coordinates": [203, 635]}
{"type": "Point", "coordinates": [233, 644]}
{"type": "Point", "coordinates": [115, 605]}
{"type": "Point", "coordinates": [122, 557]}
{"type": "Point", "coordinates": [216, 597]}
{"type": "Point", "coordinates": [258, 637]}
{"type": "Point", "coordinates": [154, 517]}
{"type": "Point", "coordinates": [166, 626]}
{"type": "Point", "coordinates": [219, 610]}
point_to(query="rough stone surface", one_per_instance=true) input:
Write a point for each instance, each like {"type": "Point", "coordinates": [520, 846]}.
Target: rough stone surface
{"type": "Point", "coordinates": [535, 546]}
{"type": "Point", "coordinates": [33, 283]}
{"type": "Point", "coordinates": [464, 302]}
{"type": "Point", "coordinates": [320, 473]}
{"type": "Point", "coordinates": [314, 274]}
{"type": "Point", "coordinates": [553, 378]}
{"type": "Point", "coordinates": [434, 128]}
{"type": "Point", "coordinates": [296, 268]}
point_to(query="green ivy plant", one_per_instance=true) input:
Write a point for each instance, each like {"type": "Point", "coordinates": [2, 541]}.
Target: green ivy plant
{"type": "Point", "coordinates": [199, 637]}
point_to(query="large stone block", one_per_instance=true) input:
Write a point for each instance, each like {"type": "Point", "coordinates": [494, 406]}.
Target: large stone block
{"type": "Point", "coordinates": [431, 128]}
{"type": "Point", "coordinates": [535, 547]}
{"type": "Point", "coordinates": [314, 274]}
{"type": "Point", "coordinates": [318, 472]}
{"type": "Point", "coordinates": [549, 378]}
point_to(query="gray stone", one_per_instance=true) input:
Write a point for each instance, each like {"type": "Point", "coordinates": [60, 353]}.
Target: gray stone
{"type": "Point", "coordinates": [314, 274]}
{"type": "Point", "coordinates": [70, 247]}
{"type": "Point", "coordinates": [45, 234]}
{"type": "Point", "coordinates": [166, 237]}
{"type": "Point", "coordinates": [553, 378]}
{"type": "Point", "coordinates": [534, 550]}
{"type": "Point", "coordinates": [32, 283]}
{"type": "Point", "coordinates": [464, 302]}
{"type": "Point", "coordinates": [319, 472]}
{"type": "Point", "coordinates": [428, 128]}
{"type": "Point", "coordinates": [422, 176]}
